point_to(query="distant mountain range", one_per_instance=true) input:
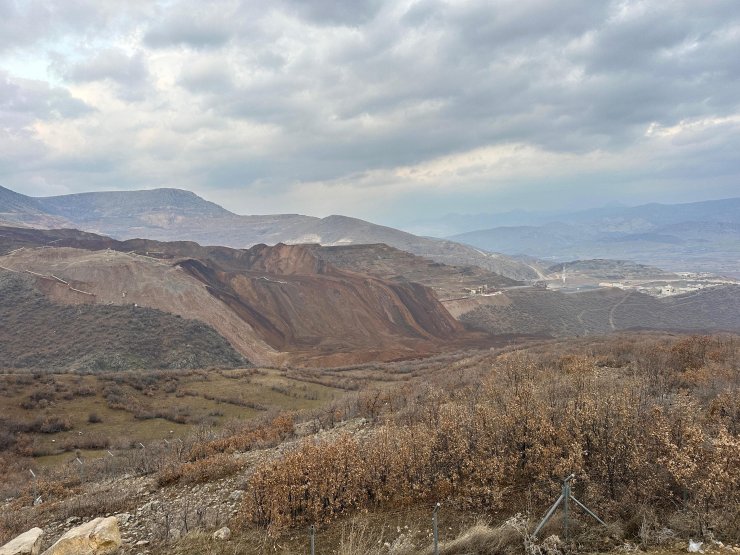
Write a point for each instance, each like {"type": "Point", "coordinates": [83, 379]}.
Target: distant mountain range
{"type": "Point", "coordinates": [699, 236]}
{"type": "Point", "coordinates": [177, 215]}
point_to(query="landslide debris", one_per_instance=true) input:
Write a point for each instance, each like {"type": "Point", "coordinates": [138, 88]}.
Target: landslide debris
{"type": "Point", "coordinates": [275, 305]}
{"type": "Point", "coordinates": [38, 333]}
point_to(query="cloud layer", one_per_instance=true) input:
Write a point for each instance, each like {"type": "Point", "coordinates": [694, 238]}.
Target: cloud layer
{"type": "Point", "coordinates": [384, 110]}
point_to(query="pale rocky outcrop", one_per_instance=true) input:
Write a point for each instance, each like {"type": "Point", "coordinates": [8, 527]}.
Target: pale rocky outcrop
{"type": "Point", "coordinates": [28, 543]}
{"type": "Point", "coordinates": [97, 537]}
{"type": "Point", "coordinates": [222, 534]}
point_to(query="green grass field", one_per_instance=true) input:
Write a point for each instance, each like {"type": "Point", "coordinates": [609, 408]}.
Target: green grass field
{"type": "Point", "coordinates": [132, 407]}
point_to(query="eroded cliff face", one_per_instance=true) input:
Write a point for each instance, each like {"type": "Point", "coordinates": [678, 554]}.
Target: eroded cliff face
{"type": "Point", "coordinates": [275, 305]}
{"type": "Point", "coordinates": [300, 304]}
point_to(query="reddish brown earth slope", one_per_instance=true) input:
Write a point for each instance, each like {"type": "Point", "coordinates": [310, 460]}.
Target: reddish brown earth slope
{"type": "Point", "coordinates": [275, 305]}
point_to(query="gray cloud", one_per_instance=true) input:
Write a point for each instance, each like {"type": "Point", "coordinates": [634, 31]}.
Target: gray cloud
{"type": "Point", "coordinates": [128, 73]}
{"type": "Point", "coordinates": [111, 63]}
{"type": "Point", "coordinates": [193, 24]}
{"type": "Point", "coordinates": [28, 22]}
{"type": "Point", "coordinates": [23, 101]}
{"type": "Point", "coordinates": [335, 12]}
{"type": "Point", "coordinates": [235, 94]}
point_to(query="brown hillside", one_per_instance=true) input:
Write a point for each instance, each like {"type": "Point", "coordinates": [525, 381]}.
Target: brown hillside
{"type": "Point", "coordinates": [37, 333]}
{"type": "Point", "coordinates": [559, 314]}
{"type": "Point", "coordinates": [447, 282]}
{"type": "Point", "coordinates": [275, 305]}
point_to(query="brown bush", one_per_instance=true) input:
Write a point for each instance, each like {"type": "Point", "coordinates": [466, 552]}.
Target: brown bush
{"type": "Point", "coordinates": [511, 429]}
{"type": "Point", "coordinates": [203, 470]}
{"type": "Point", "coordinates": [267, 434]}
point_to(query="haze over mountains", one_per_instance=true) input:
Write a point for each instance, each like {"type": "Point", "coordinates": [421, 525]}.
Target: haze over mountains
{"type": "Point", "coordinates": [700, 236]}
{"type": "Point", "coordinates": [176, 215]}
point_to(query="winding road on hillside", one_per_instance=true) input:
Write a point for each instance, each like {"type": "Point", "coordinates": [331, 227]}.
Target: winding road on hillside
{"type": "Point", "coordinates": [611, 312]}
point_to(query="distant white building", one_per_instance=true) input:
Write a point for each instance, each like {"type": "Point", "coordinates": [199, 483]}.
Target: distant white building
{"type": "Point", "coordinates": [611, 284]}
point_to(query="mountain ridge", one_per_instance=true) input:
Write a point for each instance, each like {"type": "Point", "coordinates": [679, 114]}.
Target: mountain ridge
{"type": "Point", "coordinates": [698, 237]}
{"type": "Point", "coordinates": [128, 215]}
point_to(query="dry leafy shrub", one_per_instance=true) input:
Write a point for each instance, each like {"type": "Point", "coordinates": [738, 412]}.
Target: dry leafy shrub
{"type": "Point", "coordinates": [203, 470]}
{"type": "Point", "coordinates": [95, 504]}
{"type": "Point", "coordinates": [267, 434]}
{"type": "Point", "coordinates": [320, 481]}
{"type": "Point", "coordinates": [520, 424]}
{"type": "Point", "coordinates": [14, 522]}
{"type": "Point", "coordinates": [91, 440]}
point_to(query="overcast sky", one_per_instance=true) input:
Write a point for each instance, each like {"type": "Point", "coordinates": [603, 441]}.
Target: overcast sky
{"type": "Point", "coordinates": [390, 111]}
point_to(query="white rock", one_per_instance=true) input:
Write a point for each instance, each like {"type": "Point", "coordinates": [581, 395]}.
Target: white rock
{"type": "Point", "coordinates": [28, 543]}
{"type": "Point", "coordinates": [97, 537]}
{"type": "Point", "coordinates": [222, 534]}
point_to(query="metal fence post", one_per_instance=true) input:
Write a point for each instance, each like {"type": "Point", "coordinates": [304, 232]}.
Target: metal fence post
{"type": "Point", "coordinates": [436, 530]}
{"type": "Point", "coordinates": [82, 469]}
{"type": "Point", "coordinates": [565, 497]}
{"type": "Point", "coordinates": [35, 485]}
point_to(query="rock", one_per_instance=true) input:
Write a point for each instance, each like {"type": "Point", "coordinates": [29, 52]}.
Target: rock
{"type": "Point", "coordinates": [97, 537]}
{"type": "Point", "coordinates": [28, 543]}
{"type": "Point", "coordinates": [146, 507]}
{"type": "Point", "coordinates": [222, 534]}
{"type": "Point", "coordinates": [236, 495]}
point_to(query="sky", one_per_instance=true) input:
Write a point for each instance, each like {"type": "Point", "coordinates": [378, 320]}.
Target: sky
{"type": "Point", "coordinates": [393, 111]}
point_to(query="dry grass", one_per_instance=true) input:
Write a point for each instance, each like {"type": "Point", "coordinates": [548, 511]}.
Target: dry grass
{"type": "Point", "coordinates": [358, 536]}
{"type": "Point", "coordinates": [482, 539]}
{"type": "Point", "coordinates": [204, 470]}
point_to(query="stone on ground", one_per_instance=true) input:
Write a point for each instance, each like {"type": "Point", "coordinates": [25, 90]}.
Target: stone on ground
{"type": "Point", "coordinates": [222, 534]}
{"type": "Point", "coordinates": [97, 537]}
{"type": "Point", "coordinates": [28, 543]}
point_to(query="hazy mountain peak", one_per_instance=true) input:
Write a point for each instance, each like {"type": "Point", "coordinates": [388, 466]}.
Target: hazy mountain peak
{"type": "Point", "coordinates": [111, 204]}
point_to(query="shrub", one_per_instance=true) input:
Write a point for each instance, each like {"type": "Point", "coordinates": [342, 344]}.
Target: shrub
{"type": "Point", "coordinates": [51, 425]}
{"type": "Point", "coordinates": [516, 427]}
{"type": "Point", "coordinates": [203, 470]}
